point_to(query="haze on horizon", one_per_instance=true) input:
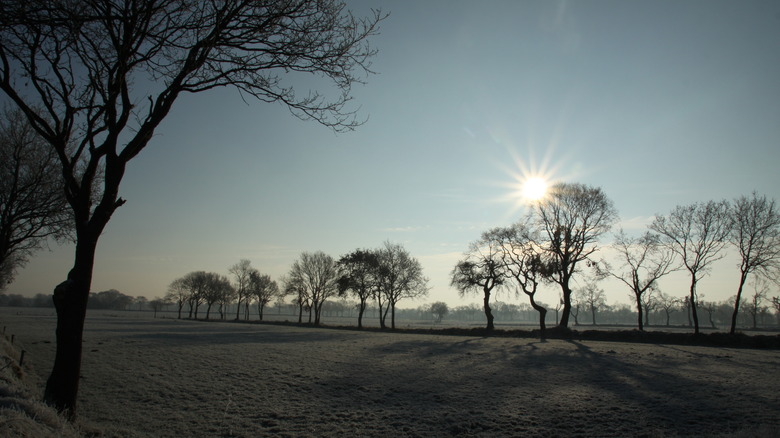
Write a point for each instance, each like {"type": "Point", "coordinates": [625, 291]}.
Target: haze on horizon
{"type": "Point", "coordinates": [658, 103]}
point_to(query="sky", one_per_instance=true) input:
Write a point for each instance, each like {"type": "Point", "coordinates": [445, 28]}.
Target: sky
{"type": "Point", "coordinates": [660, 104]}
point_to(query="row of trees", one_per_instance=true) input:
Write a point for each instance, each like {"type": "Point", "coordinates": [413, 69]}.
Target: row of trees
{"type": "Point", "coordinates": [383, 276]}
{"type": "Point", "coordinates": [201, 288]}
{"type": "Point", "coordinates": [559, 236]}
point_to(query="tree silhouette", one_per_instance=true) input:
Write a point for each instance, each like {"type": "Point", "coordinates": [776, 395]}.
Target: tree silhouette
{"type": "Point", "coordinates": [360, 275]}
{"type": "Point", "coordinates": [400, 276]}
{"type": "Point", "coordinates": [644, 260]}
{"type": "Point", "coordinates": [241, 272]}
{"type": "Point", "coordinates": [522, 262]}
{"type": "Point", "coordinates": [317, 275]}
{"type": "Point", "coordinates": [263, 288]}
{"type": "Point", "coordinates": [439, 310]}
{"type": "Point", "coordinates": [71, 67]}
{"type": "Point", "coordinates": [696, 233]}
{"type": "Point", "coordinates": [571, 219]}
{"type": "Point", "coordinates": [32, 203]}
{"type": "Point", "coordinates": [755, 232]}
{"type": "Point", "coordinates": [481, 271]}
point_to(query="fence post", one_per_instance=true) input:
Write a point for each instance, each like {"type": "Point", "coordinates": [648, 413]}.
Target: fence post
{"type": "Point", "coordinates": [21, 359]}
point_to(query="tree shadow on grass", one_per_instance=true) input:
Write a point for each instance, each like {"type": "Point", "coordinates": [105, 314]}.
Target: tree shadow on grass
{"type": "Point", "coordinates": [479, 387]}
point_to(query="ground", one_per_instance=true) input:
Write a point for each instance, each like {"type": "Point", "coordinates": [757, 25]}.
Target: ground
{"type": "Point", "coordinates": [170, 378]}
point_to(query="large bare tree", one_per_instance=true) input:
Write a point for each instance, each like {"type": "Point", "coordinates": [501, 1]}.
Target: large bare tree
{"type": "Point", "coordinates": [571, 218]}
{"type": "Point", "coordinates": [643, 261]}
{"type": "Point", "coordinates": [523, 262]}
{"type": "Point", "coordinates": [359, 275]}
{"type": "Point", "coordinates": [482, 270]}
{"type": "Point", "coordinates": [32, 204]}
{"type": "Point", "coordinates": [241, 272]}
{"type": "Point", "coordinates": [71, 67]}
{"type": "Point", "coordinates": [263, 289]}
{"type": "Point", "coordinates": [317, 274]}
{"type": "Point", "coordinates": [696, 233]}
{"type": "Point", "coordinates": [755, 232]}
{"type": "Point", "coordinates": [400, 277]}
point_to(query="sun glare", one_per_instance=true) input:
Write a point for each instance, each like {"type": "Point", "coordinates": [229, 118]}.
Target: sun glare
{"type": "Point", "coordinates": [534, 188]}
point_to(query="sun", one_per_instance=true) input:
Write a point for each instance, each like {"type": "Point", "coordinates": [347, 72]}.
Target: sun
{"type": "Point", "coordinates": [534, 188]}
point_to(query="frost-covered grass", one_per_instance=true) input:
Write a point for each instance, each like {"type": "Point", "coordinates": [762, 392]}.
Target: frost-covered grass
{"type": "Point", "coordinates": [184, 378]}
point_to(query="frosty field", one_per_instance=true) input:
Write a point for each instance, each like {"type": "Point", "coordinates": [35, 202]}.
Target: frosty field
{"type": "Point", "coordinates": [170, 378]}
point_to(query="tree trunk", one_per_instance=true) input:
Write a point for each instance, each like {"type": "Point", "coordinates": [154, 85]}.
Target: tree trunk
{"type": "Point", "coordinates": [639, 311]}
{"type": "Point", "coordinates": [392, 315]}
{"type": "Point", "coordinates": [181, 304]}
{"type": "Point", "coordinates": [488, 312]}
{"type": "Point", "coordinates": [383, 315]}
{"type": "Point", "coordinates": [542, 315]}
{"type": "Point", "coordinates": [361, 309]}
{"type": "Point", "coordinates": [70, 302]}
{"type": "Point", "coordinates": [260, 311]}
{"type": "Point", "coordinates": [564, 323]}
{"type": "Point", "coordinates": [742, 278]}
{"type": "Point", "coordinates": [238, 309]}
{"type": "Point", "coordinates": [694, 313]}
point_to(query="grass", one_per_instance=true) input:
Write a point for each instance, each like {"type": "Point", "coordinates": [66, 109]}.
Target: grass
{"type": "Point", "coordinates": [169, 378]}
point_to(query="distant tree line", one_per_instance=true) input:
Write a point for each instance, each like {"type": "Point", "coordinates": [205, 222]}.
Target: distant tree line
{"type": "Point", "coordinates": [556, 243]}
{"type": "Point", "coordinates": [383, 276]}
{"type": "Point", "coordinates": [111, 299]}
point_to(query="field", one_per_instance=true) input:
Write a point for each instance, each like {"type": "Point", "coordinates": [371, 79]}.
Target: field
{"type": "Point", "coordinates": [170, 378]}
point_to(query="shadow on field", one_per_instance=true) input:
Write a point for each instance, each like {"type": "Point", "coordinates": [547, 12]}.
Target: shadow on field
{"type": "Point", "coordinates": [520, 388]}
{"type": "Point", "coordinates": [198, 334]}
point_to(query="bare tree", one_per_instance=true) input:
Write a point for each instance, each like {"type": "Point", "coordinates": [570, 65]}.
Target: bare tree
{"type": "Point", "coordinates": [32, 204]}
{"type": "Point", "coordinates": [644, 260]}
{"type": "Point", "coordinates": [400, 276]}
{"type": "Point", "coordinates": [755, 306]}
{"type": "Point", "coordinates": [215, 288]}
{"type": "Point", "coordinates": [157, 304]}
{"type": "Point", "coordinates": [710, 307]}
{"type": "Point", "coordinates": [227, 295]}
{"type": "Point", "coordinates": [571, 220]}
{"type": "Point", "coordinates": [649, 302]}
{"type": "Point", "coordinates": [696, 233]}
{"type": "Point", "coordinates": [294, 286]}
{"type": "Point", "coordinates": [71, 66]}
{"type": "Point", "coordinates": [481, 271]}
{"type": "Point", "coordinates": [755, 232]}
{"type": "Point", "coordinates": [439, 310]}
{"type": "Point", "coordinates": [593, 297]}
{"type": "Point", "coordinates": [192, 288]}
{"type": "Point", "coordinates": [669, 305]}
{"type": "Point", "coordinates": [263, 289]}
{"type": "Point", "coordinates": [241, 272]}
{"type": "Point", "coordinates": [522, 261]}
{"type": "Point", "coordinates": [317, 274]}
{"type": "Point", "coordinates": [178, 293]}
{"type": "Point", "coordinates": [360, 271]}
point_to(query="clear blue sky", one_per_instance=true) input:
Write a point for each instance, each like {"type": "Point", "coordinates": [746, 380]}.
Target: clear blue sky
{"type": "Point", "coordinates": [659, 103]}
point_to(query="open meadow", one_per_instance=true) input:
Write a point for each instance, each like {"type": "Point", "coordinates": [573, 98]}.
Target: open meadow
{"type": "Point", "coordinates": [169, 378]}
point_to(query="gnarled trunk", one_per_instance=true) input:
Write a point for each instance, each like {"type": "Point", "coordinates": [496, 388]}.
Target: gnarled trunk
{"type": "Point", "coordinates": [488, 311]}
{"type": "Point", "coordinates": [566, 291]}
{"type": "Point", "coordinates": [70, 302]}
